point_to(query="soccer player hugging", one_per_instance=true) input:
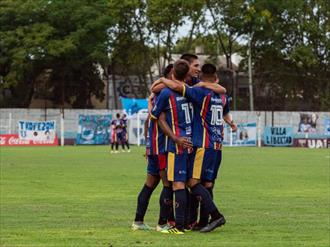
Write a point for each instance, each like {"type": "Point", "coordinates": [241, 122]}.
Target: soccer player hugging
{"type": "Point", "coordinates": [192, 119]}
{"type": "Point", "coordinates": [156, 155]}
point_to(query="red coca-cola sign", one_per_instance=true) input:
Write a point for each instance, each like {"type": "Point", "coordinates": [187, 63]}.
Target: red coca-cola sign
{"type": "Point", "coordinates": [13, 140]}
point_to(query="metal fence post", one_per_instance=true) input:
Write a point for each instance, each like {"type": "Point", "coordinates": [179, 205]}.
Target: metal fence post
{"type": "Point", "coordinates": [138, 128]}
{"type": "Point", "coordinates": [259, 129]}
{"type": "Point", "coordinates": [9, 122]}
{"type": "Point", "coordinates": [62, 128]}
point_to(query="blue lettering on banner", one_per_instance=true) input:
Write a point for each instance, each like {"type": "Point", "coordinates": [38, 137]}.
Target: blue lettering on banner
{"type": "Point", "coordinates": [23, 133]}
{"type": "Point", "coordinates": [21, 124]}
{"type": "Point", "coordinates": [36, 130]}
{"type": "Point", "coordinates": [36, 126]}
{"type": "Point", "coordinates": [278, 136]}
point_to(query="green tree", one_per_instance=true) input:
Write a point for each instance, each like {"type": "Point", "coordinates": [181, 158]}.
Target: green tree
{"type": "Point", "coordinates": [227, 25]}
{"type": "Point", "coordinates": [164, 19]}
{"type": "Point", "coordinates": [130, 54]}
{"type": "Point", "coordinates": [291, 53]}
{"type": "Point", "coordinates": [69, 39]}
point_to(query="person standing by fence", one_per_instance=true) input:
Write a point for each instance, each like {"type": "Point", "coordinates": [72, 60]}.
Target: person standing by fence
{"type": "Point", "coordinates": [124, 134]}
{"type": "Point", "coordinates": [116, 130]}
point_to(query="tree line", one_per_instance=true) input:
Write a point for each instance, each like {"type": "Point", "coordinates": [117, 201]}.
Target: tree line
{"type": "Point", "coordinates": [61, 50]}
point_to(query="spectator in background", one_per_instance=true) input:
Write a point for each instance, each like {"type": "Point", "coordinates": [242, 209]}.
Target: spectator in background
{"type": "Point", "coordinates": [124, 135]}
{"type": "Point", "coordinates": [304, 125]}
{"type": "Point", "coordinates": [116, 130]}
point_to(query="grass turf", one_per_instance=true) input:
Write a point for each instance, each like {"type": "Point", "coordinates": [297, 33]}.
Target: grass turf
{"type": "Point", "coordinates": [85, 196]}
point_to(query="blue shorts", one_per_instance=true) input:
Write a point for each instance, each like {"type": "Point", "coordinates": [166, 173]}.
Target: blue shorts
{"type": "Point", "coordinates": [177, 166]}
{"type": "Point", "coordinates": [119, 137]}
{"type": "Point", "coordinates": [205, 164]}
{"type": "Point", "coordinates": [124, 136]}
{"type": "Point", "coordinates": [156, 163]}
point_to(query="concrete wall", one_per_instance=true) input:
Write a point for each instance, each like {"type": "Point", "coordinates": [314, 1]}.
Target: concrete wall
{"type": "Point", "coordinates": [71, 119]}
{"type": "Point", "coordinates": [282, 119]}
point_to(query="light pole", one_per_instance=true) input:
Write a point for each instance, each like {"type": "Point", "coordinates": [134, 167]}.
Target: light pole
{"type": "Point", "coordinates": [250, 73]}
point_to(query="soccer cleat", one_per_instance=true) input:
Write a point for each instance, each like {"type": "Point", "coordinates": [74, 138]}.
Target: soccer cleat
{"type": "Point", "coordinates": [128, 150]}
{"type": "Point", "coordinates": [140, 226]}
{"type": "Point", "coordinates": [214, 224]}
{"type": "Point", "coordinates": [116, 152]}
{"type": "Point", "coordinates": [173, 230]}
{"type": "Point", "coordinates": [198, 227]}
{"type": "Point", "coordinates": [112, 152]}
{"type": "Point", "coordinates": [190, 227]}
{"type": "Point", "coordinates": [160, 228]}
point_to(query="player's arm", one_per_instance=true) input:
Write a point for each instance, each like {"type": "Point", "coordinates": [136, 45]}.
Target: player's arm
{"type": "Point", "coordinates": [195, 94]}
{"type": "Point", "coordinates": [151, 97]}
{"type": "Point", "coordinates": [157, 86]}
{"type": "Point", "coordinates": [174, 85]}
{"type": "Point", "coordinates": [212, 86]}
{"type": "Point", "coordinates": [160, 105]}
{"type": "Point", "coordinates": [229, 120]}
{"type": "Point", "coordinates": [181, 141]}
{"type": "Point", "coordinates": [146, 124]}
{"type": "Point", "coordinates": [228, 117]}
{"type": "Point", "coordinates": [163, 82]}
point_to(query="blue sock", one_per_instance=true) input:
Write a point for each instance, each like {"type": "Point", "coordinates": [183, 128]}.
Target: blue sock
{"type": "Point", "coordinates": [180, 208]}
{"type": "Point", "coordinates": [204, 216]}
{"type": "Point", "coordinates": [166, 204]}
{"type": "Point", "coordinates": [143, 202]}
{"type": "Point", "coordinates": [193, 209]}
{"type": "Point", "coordinates": [206, 200]}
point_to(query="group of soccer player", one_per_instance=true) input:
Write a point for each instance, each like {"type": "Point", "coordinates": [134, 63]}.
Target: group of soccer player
{"type": "Point", "coordinates": [184, 135]}
{"type": "Point", "coordinates": [119, 133]}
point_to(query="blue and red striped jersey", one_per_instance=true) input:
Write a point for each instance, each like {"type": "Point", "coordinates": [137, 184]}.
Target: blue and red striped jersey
{"type": "Point", "coordinates": [117, 125]}
{"type": "Point", "coordinates": [194, 81]}
{"type": "Point", "coordinates": [179, 115]}
{"type": "Point", "coordinates": [209, 110]}
{"type": "Point", "coordinates": [156, 142]}
{"type": "Point", "coordinates": [124, 124]}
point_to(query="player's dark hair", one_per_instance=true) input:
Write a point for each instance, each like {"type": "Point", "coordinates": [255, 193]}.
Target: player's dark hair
{"type": "Point", "coordinates": [209, 69]}
{"type": "Point", "coordinates": [189, 57]}
{"type": "Point", "coordinates": [168, 69]}
{"type": "Point", "coordinates": [181, 68]}
{"type": "Point", "coordinates": [118, 115]}
{"type": "Point", "coordinates": [209, 72]}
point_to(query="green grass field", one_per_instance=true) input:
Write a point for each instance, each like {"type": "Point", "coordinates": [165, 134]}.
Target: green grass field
{"type": "Point", "coordinates": [85, 196]}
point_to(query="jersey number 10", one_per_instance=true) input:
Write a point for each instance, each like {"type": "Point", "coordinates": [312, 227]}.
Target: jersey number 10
{"type": "Point", "coordinates": [216, 114]}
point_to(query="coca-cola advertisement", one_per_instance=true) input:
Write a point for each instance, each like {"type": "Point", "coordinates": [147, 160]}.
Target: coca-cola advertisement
{"type": "Point", "coordinates": [14, 140]}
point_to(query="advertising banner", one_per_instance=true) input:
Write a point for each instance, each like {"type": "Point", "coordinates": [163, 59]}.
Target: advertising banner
{"type": "Point", "coordinates": [327, 126]}
{"type": "Point", "coordinates": [132, 105]}
{"type": "Point", "coordinates": [246, 135]}
{"type": "Point", "coordinates": [37, 130]}
{"type": "Point", "coordinates": [93, 130]}
{"type": "Point", "coordinates": [14, 140]}
{"type": "Point", "coordinates": [278, 136]}
{"type": "Point", "coordinates": [308, 123]}
{"type": "Point", "coordinates": [312, 142]}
